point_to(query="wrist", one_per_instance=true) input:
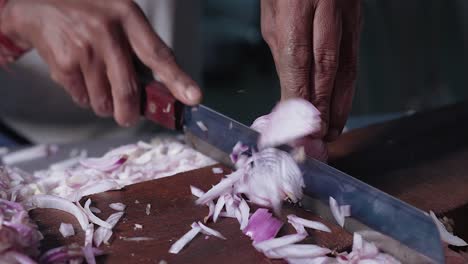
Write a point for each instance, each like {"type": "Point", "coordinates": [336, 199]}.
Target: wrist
{"type": "Point", "coordinates": [10, 41]}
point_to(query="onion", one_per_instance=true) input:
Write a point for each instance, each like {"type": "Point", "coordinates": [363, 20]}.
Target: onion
{"type": "Point", "coordinates": [92, 217]}
{"type": "Point", "coordinates": [218, 208]}
{"type": "Point", "coordinates": [103, 234]}
{"type": "Point", "coordinates": [95, 210]}
{"type": "Point", "coordinates": [106, 163]}
{"type": "Point", "coordinates": [29, 154]}
{"type": "Point", "coordinates": [244, 210]}
{"type": "Point", "coordinates": [102, 186]}
{"type": "Point", "coordinates": [185, 239]}
{"type": "Point", "coordinates": [66, 230]}
{"type": "Point", "coordinates": [297, 251]}
{"type": "Point", "coordinates": [54, 202]}
{"type": "Point", "coordinates": [117, 206]}
{"type": "Point", "coordinates": [217, 170]}
{"type": "Point", "coordinates": [446, 236]}
{"type": "Point", "coordinates": [295, 220]}
{"type": "Point", "coordinates": [262, 226]}
{"type": "Point", "coordinates": [290, 120]}
{"type": "Point", "coordinates": [339, 212]}
{"type": "Point", "coordinates": [279, 242]}
{"type": "Point", "coordinates": [148, 209]}
{"type": "Point", "coordinates": [137, 226]}
{"type": "Point", "coordinates": [208, 231]}
{"type": "Point", "coordinates": [88, 249]}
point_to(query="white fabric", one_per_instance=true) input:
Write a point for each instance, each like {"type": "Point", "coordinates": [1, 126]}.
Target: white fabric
{"type": "Point", "coordinates": [32, 104]}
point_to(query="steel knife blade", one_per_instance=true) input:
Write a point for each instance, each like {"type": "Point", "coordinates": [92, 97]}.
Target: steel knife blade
{"type": "Point", "coordinates": [395, 226]}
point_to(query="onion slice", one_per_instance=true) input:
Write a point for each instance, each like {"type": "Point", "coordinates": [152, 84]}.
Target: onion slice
{"type": "Point", "coordinates": [92, 217]}
{"type": "Point", "coordinates": [185, 239]}
{"type": "Point", "coordinates": [446, 236]}
{"type": "Point", "coordinates": [339, 212]}
{"type": "Point", "coordinates": [54, 202]}
{"type": "Point", "coordinates": [295, 220]}
{"type": "Point", "coordinates": [262, 226]}
{"type": "Point", "coordinates": [297, 251]}
{"type": "Point", "coordinates": [66, 230]}
{"type": "Point", "coordinates": [279, 242]}
{"type": "Point", "coordinates": [117, 206]}
{"type": "Point", "coordinates": [106, 163]}
{"type": "Point", "coordinates": [290, 120]}
{"type": "Point", "coordinates": [208, 231]}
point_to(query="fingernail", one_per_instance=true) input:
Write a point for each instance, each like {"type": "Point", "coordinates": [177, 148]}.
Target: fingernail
{"type": "Point", "coordinates": [192, 94]}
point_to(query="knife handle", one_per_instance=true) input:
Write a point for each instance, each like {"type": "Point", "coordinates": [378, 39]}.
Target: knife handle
{"type": "Point", "coordinates": [160, 106]}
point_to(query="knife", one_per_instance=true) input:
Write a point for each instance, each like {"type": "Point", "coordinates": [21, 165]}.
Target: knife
{"type": "Point", "coordinates": [394, 226]}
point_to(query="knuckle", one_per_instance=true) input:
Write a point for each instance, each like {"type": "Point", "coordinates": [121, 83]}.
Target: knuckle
{"type": "Point", "coordinates": [164, 55]}
{"type": "Point", "coordinates": [101, 23]}
{"type": "Point", "coordinates": [326, 61]}
{"type": "Point", "coordinates": [297, 55]}
{"type": "Point", "coordinates": [127, 97]}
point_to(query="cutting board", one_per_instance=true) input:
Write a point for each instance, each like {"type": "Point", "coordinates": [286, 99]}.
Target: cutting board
{"type": "Point", "coordinates": [172, 212]}
{"type": "Point", "coordinates": [421, 159]}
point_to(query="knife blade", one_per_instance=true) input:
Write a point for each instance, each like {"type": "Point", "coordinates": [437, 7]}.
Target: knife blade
{"type": "Point", "coordinates": [395, 226]}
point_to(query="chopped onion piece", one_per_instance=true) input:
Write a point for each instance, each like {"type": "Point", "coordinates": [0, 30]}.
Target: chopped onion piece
{"type": "Point", "coordinates": [446, 236]}
{"type": "Point", "coordinates": [245, 213]}
{"type": "Point", "coordinates": [184, 240]}
{"type": "Point", "coordinates": [308, 223]}
{"type": "Point", "coordinates": [54, 202]}
{"type": "Point", "coordinates": [95, 210]}
{"type": "Point", "coordinates": [117, 206]}
{"type": "Point", "coordinates": [339, 212]}
{"type": "Point", "coordinates": [103, 234]}
{"type": "Point", "coordinates": [218, 208]}
{"type": "Point", "coordinates": [297, 251]}
{"type": "Point", "coordinates": [66, 230]}
{"type": "Point", "coordinates": [211, 208]}
{"type": "Point", "coordinates": [217, 170]}
{"type": "Point", "coordinates": [102, 186]}
{"type": "Point", "coordinates": [262, 226]}
{"type": "Point", "coordinates": [106, 163]}
{"type": "Point", "coordinates": [202, 126]}
{"type": "Point", "coordinates": [137, 226]}
{"type": "Point", "coordinates": [93, 218]}
{"type": "Point", "coordinates": [28, 154]}
{"type": "Point", "coordinates": [287, 123]}
{"type": "Point", "coordinates": [148, 209]}
{"type": "Point", "coordinates": [196, 191]}
{"type": "Point", "coordinates": [279, 242]}
{"type": "Point", "coordinates": [208, 231]}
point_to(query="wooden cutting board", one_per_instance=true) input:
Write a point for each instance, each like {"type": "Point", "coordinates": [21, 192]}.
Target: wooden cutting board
{"type": "Point", "coordinates": [421, 159]}
{"type": "Point", "coordinates": [172, 212]}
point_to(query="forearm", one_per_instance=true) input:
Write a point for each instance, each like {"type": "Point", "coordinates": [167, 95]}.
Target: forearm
{"type": "Point", "coordinates": [9, 49]}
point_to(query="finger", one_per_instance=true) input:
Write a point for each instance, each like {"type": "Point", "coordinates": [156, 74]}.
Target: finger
{"type": "Point", "coordinates": [74, 85]}
{"type": "Point", "coordinates": [347, 69]}
{"type": "Point", "coordinates": [294, 52]}
{"type": "Point", "coordinates": [65, 71]}
{"type": "Point", "coordinates": [327, 34]}
{"type": "Point", "coordinates": [155, 54]}
{"type": "Point", "coordinates": [97, 84]}
{"type": "Point", "coordinates": [121, 76]}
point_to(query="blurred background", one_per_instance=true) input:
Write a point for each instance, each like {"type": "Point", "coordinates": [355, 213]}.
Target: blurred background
{"type": "Point", "coordinates": [413, 57]}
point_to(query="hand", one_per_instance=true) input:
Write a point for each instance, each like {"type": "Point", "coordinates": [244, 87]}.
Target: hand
{"type": "Point", "coordinates": [88, 46]}
{"type": "Point", "coordinates": [314, 45]}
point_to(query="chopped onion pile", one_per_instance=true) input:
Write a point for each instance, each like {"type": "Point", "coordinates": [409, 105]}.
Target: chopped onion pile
{"type": "Point", "coordinates": [81, 176]}
{"type": "Point", "coordinates": [19, 237]}
{"type": "Point", "coordinates": [262, 226]}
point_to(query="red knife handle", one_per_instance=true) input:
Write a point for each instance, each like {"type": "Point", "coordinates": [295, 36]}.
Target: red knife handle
{"type": "Point", "coordinates": [162, 107]}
